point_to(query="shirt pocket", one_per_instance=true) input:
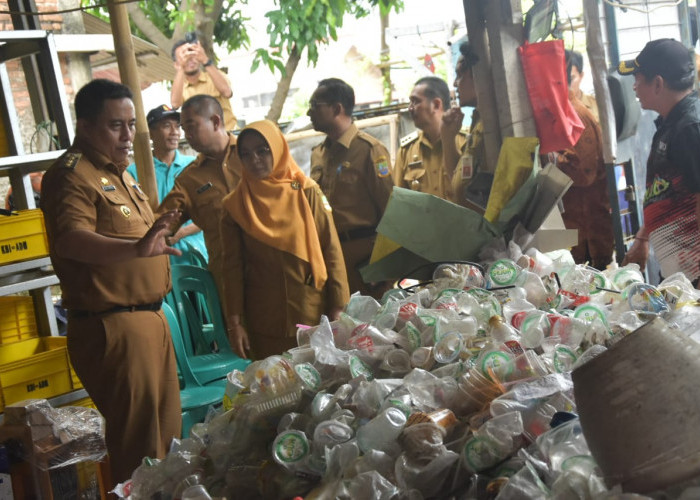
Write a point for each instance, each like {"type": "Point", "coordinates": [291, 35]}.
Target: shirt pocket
{"type": "Point", "coordinates": [348, 175]}
{"type": "Point", "coordinates": [118, 216]}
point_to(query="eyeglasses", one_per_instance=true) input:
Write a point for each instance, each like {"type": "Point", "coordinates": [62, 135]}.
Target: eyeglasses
{"type": "Point", "coordinates": [317, 104]}
{"type": "Point", "coordinates": [260, 153]}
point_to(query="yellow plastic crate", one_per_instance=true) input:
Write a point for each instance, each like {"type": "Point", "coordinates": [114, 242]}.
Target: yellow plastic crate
{"type": "Point", "coordinates": [17, 320]}
{"type": "Point", "coordinates": [75, 380]}
{"type": "Point", "coordinates": [23, 236]}
{"type": "Point", "coordinates": [36, 368]}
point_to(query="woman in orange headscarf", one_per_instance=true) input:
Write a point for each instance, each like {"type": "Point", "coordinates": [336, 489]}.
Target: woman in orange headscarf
{"type": "Point", "coordinates": [283, 264]}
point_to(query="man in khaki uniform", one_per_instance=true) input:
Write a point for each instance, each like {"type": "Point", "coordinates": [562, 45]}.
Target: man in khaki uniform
{"type": "Point", "coordinates": [215, 172]}
{"type": "Point", "coordinates": [197, 74]}
{"type": "Point", "coordinates": [426, 161]}
{"type": "Point", "coordinates": [111, 258]}
{"type": "Point", "coordinates": [473, 158]}
{"type": "Point", "coordinates": [353, 170]}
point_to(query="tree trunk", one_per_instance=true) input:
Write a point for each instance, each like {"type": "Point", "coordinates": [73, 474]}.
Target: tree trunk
{"type": "Point", "coordinates": [283, 86]}
{"type": "Point", "coordinates": [384, 58]}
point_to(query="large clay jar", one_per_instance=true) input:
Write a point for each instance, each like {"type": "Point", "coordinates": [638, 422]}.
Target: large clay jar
{"type": "Point", "coordinates": [639, 404]}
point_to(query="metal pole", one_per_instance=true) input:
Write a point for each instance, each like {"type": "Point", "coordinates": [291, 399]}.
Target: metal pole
{"type": "Point", "coordinates": [128, 71]}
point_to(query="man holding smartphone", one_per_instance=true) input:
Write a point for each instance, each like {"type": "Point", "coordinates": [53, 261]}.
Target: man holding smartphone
{"type": "Point", "coordinates": [197, 74]}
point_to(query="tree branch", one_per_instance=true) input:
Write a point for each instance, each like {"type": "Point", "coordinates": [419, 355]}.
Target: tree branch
{"type": "Point", "coordinates": [148, 28]}
{"type": "Point", "coordinates": [285, 82]}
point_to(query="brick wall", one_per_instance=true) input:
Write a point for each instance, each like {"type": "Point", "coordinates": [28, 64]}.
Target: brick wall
{"type": "Point", "coordinates": [31, 140]}
{"type": "Point", "coordinates": [31, 136]}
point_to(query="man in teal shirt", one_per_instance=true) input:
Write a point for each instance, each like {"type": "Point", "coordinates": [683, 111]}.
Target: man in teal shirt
{"type": "Point", "coordinates": [168, 162]}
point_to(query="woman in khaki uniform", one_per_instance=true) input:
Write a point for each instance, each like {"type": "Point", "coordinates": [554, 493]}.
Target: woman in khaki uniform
{"type": "Point", "coordinates": [283, 264]}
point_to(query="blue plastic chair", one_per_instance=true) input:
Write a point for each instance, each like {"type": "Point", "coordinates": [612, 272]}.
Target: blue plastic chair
{"type": "Point", "coordinates": [195, 399]}
{"type": "Point", "coordinates": [196, 300]}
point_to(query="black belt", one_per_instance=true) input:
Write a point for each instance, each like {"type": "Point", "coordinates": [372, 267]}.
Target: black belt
{"type": "Point", "coordinates": [75, 313]}
{"type": "Point", "coordinates": [357, 234]}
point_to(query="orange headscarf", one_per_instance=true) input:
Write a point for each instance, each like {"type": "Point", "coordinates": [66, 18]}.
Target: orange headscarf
{"type": "Point", "coordinates": [275, 210]}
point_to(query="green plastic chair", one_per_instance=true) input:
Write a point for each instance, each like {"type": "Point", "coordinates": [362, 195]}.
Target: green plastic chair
{"type": "Point", "coordinates": [196, 301]}
{"type": "Point", "coordinates": [195, 399]}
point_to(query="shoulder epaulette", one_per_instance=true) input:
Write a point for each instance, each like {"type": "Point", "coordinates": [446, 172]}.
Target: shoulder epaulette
{"type": "Point", "coordinates": [408, 139]}
{"type": "Point", "coordinates": [71, 159]}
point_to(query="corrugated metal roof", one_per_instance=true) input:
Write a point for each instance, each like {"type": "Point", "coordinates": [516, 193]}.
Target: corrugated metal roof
{"type": "Point", "coordinates": [154, 64]}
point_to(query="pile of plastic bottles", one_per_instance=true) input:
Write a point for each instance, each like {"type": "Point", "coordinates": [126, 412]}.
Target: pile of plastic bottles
{"type": "Point", "coordinates": [457, 388]}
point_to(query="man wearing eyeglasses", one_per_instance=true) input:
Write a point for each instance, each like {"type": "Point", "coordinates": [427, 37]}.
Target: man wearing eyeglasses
{"type": "Point", "coordinates": [354, 172]}
{"type": "Point", "coordinates": [215, 172]}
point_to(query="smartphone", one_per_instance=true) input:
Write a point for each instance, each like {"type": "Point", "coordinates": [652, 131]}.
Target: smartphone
{"type": "Point", "coordinates": [191, 37]}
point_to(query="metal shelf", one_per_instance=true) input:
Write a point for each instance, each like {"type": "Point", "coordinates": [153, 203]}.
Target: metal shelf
{"type": "Point", "coordinates": [25, 164]}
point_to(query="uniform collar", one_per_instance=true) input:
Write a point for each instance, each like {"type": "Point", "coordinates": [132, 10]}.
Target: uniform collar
{"type": "Point", "coordinates": [424, 140]}
{"type": "Point", "coordinates": [98, 159]}
{"type": "Point", "coordinates": [200, 79]}
{"type": "Point", "coordinates": [347, 136]}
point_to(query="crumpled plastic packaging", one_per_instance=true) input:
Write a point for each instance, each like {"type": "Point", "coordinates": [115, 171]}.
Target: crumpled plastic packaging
{"type": "Point", "coordinates": [61, 436]}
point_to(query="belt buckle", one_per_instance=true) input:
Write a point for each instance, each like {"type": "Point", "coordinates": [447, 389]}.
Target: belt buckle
{"type": "Point", "coordinates": [132, 308]}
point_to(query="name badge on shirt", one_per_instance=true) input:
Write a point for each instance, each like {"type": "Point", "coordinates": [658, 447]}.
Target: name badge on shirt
{"type": "Point", "coordinates": [467, 167]}
{"type": "Point", "coordinates": [203, 188]}
{"type": "Point", "coordinates": [109, 188]}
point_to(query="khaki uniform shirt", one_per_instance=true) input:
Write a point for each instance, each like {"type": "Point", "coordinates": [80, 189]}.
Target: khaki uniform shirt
{"type": "Point", "coordinates": [272, 289]}
{"type": "Point", "coordinates": [419, 165]}
{"type": "Point", "coordinates": [355, 175]}
{"type": "Point", "coordinates": [204, 85]}
{"type": "Point", "coordinates": [84, 190]}
{"type": "Point", "coordinates": [198, 193]}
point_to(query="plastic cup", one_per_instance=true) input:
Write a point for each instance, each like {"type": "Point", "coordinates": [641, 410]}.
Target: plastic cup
{"type": "Point", "coordinates": [527, 365]}
{"type": "Point", "coordinates": [396, 361]}
{"type": "Point", "coordinates": [291, 449]}
{"type": "Point", "coordinates": [448, 348]}
{"type": "Point", "coordinates": [423, 358]}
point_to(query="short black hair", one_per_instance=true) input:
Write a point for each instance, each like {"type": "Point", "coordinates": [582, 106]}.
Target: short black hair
{"type": "Point", "coordinates": [204, 105]}
{"type": "Point", "coordinates": [573, 59]}
{"type": "Point", "coordinates": [89, 101]}
{"type": "Point", "coordinates": [338, 91]}
{"type": "Point", "coordinates": [436, 87]}
{"type": "Point", "coordinates": [469, 57]}
{"type": "Point", "coordinates": [177, 44]}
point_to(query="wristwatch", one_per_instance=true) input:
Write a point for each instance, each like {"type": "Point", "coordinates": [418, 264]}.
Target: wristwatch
{"type": "Point", "coordinates": [208, 63]}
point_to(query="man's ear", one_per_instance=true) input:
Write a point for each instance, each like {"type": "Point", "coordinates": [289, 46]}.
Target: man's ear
{"type": "Point", "coordinates": [338, 109]}
{"type": "Point", "coordinates": [437, 103]}
{"type": "Point", "coordinates": [82, 126]}
{"type": "Point", "coordinates": [216, 121]}
{"type": "Point", "coordinates": [658, 83]}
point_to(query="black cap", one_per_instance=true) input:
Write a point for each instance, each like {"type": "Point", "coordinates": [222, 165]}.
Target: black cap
{"type": "Point", "coordinates": [161, 112]}
{"type": "Point", "coordinates": [665, 57]}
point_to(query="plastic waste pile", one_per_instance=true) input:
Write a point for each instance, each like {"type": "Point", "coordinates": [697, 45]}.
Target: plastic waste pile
{"type": "Point", "coordinates": [458, 387]}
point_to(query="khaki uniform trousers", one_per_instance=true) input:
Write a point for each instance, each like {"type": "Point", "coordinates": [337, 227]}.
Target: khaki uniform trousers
{"type": "Point", "coordinates": [127, 365]}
